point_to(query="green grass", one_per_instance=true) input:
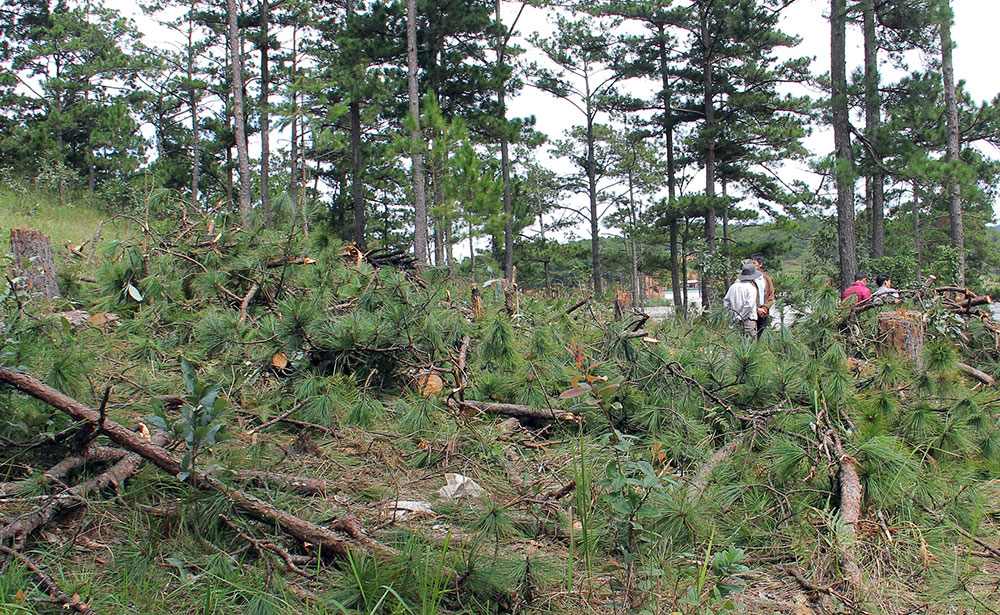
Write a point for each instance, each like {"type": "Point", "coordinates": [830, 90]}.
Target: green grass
{"type": "Point", "coordinates": [75, 222]}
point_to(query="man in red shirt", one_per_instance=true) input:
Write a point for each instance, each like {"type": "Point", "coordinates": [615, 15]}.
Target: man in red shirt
{"type": "Point", "coordinates": [859, 289]}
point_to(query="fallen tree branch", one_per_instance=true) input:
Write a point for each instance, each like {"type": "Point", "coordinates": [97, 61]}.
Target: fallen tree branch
{"type": "Point", "coordinates": [245, 302]}
{"type": "Point", "coordinates": [635, 334]}
{"type": "Point", "coordinates": [993, 550]}
{"type": "Point", "coordinates": [47, 583]}
{"type": "Point", "coordinates": [979, 375]}
{"type": "Point", "coordinates": [699, 482]}
{"type": "Point", "coordinates": [579, 304]}
{"type": "Point", "coordinates": [25, 525]}
{"type": "Point", "coordinates": [93, 454]}
{"type": "Point", "coordinates": [289, 260]}
{"type": "Point", "coordinates": [276, 419]}
{"type": "Point", "coordinates": [302, 485]}
{"type": "Point", "coordinates": [805, 583]}
{"type": "Point", "coordinates": [330, 542]}
{"type": "Point", "coordinates": [262, 546]}
{"type": "Point", "coordinates": [522, 412]}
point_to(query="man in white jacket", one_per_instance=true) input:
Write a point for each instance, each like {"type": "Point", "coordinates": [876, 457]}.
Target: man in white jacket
{"type": "Point", "coordinates": [743, 299]}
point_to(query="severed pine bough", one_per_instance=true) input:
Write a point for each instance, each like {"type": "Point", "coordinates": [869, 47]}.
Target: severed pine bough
{"type": "Point", "coordinates": [342, 534]}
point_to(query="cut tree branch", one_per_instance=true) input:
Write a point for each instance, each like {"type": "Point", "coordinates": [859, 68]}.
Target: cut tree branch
{"type": "Point", "coordinates": [331, 542]}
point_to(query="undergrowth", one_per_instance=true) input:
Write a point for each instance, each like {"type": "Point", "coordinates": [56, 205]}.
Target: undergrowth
{"type": "Point", "coordinates": [335, 358]}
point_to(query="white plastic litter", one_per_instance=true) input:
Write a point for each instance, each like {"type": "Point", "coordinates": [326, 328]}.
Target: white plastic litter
{"type": "Point", "coordinates": [401, 508]}
{"type": "Point", "coordinates": [459, 486]}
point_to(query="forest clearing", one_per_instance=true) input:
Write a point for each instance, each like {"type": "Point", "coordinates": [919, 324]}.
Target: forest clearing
{"type": "Point", "coordinates": [485, 307]}
{"type": "Point", "coordinates": [266, 426]}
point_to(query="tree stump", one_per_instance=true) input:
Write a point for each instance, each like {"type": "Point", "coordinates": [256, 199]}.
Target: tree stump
{"type": "Point", "coordinates": [33, 262]}
{"type": "Point", "coordinates": [902, 331]}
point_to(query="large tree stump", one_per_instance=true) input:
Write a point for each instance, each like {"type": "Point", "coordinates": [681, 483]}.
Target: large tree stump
{"type": "Point", "coordinates": [902, 332]}
{"type": "Point", "coordinates": [33, 262]}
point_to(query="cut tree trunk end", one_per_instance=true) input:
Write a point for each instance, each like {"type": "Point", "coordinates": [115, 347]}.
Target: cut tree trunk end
{"type": "Point", "coordinates": [33, 264]}
{"type": "Point", "coordinates": [903, 333]}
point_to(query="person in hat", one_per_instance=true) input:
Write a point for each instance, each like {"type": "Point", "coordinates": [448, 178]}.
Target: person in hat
{"type": "Point", "coordinates": [859, 289]}
{"type": "Point", "coordinates": [743, 299]}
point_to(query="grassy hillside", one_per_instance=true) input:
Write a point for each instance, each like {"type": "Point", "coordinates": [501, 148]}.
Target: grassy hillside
{"type": "Point", "coordinates": [76, 223]}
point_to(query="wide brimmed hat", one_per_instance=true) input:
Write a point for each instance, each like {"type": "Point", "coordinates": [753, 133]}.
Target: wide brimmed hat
{"type": "Point", "coordinates": [749, 272]}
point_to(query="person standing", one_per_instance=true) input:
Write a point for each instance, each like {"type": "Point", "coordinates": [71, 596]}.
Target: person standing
{"type": "Point", "coordinates": [859, 289]}
{"type": "Point", "coordinates": [742, 299]}
{"type": "Point", "coordinates": [765, 287]}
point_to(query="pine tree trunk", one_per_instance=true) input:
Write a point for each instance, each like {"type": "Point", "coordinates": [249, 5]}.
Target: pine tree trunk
{"type": "Point", "coordinates": [33, 264]}
{"type": "Point", "coordinates": [668, 130]}
{"type": "Point", "coordinates": [265, 114]}
{"type": "Point", "coordinates": [229, 177]}
{"type": "Point", "coordinates": [419, 196]}
{"type": "Point", "coordinates": [874, 188]}
{"type": "Point", "coordinates": [239, 125]}
{"type": "Point", "coordinates": [595, 238]}
{"type": "Point", "coordinates": [708, 79]}
{"type": "Point", "coordinates": [843, 168]}
{"type": "Point", "coordinates": [953, 146]}
{"type": "Point", "coordinates": [293, 181]}
{"type": "Point", "coordinates": [675, 278]}
{"type": "Point", "coordinates": [508, 208]}
{"type": "Point", "coordinates": [357, 190]}
{"type": "Point", "coordinates": [917, 245]}
{"type": "Point", "coordinates": [684, 265]}
{"type": "Point", "coordinates": [193, 102]}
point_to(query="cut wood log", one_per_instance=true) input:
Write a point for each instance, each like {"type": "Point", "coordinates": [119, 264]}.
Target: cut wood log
{"type": "Point", "coordinates": [245, 302]}
{"type": "Point", "coordinates": [903, 333]}
{"type": "Point", "coordinates": [850, 509]}
{"type": "Point", "coordinates": [523, 412]}
{"type": "Point", "coordinates": [330, 542]}
{"type": "Point", "coordinates": [33, 264]}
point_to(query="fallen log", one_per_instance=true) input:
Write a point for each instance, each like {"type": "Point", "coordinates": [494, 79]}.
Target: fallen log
{"type": "Point", "coordinates": [330, 542]}
{"type": "Point", "coordinates": [522, 412]}
{"type": "Point", "coordinates": [27, 524]}
{"type": "Point", "coordinates": [47, 583]}
{"type": "Point", "coordinates": [850, 509]}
